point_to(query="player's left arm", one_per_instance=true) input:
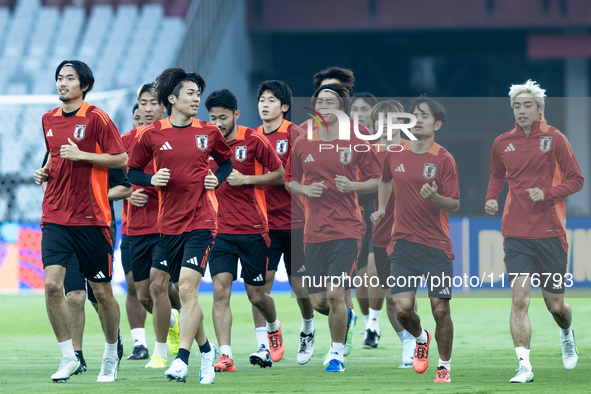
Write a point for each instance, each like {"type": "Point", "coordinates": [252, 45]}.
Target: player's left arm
{"type": "Point", "coordinates": [119, 185]}
{"type": "Point", "coordinates": [568, 164]}
{"type": "Point", "coordinates": [449, 198]}
{"type": "Point", "coordinates": [265, 155]}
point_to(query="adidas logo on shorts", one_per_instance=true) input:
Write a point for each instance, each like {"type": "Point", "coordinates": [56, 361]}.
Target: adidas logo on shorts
{"type": "Point", "coordinates": [100, 275]}
{"type": "Point", "coordinates": [302, 269]}
{"type": "Point", "coordinates": [258, 278]}
{"type": "Point", "coordinates": [164, 263]}
{"type": "Point", "coordinates": [445, 291]}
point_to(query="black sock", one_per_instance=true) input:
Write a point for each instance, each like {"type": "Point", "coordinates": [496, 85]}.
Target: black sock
{"type": "Point", "coordinates": [79, 355]}
{"type": "Point", "coordinates": [184, 354]}
{"type": "Point", "coordinates": [206, 348]}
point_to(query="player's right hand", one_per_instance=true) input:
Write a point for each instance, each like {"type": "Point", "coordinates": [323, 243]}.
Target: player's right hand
{"type": "Point", "coordinates": [491, 207]}
{"type": "Point", "coordinates": [211, 181]}
{"type": "Point", "coordinates": [377, 217]}
{"type": "Point", "coordinates": [161, 178]}
{"type": "Point", "coordinates": [41, 175]}
{"type": "Point", "coordinates": [315, 190]}
{"type": "Point", "coordinates": [138, 198]}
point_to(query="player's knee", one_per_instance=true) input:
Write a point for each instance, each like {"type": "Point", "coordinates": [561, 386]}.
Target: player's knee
{"type": "Point", "coordinates": [158, 289]}
{"type": "Point", "coordinates": [555, 307]}
{"type": "Point", "coordinates": [520, 304]}
{"type": "Point", "coordinates": [53, 289]}
{"type": "Point", "coordinates": [320, 305]}
{"type": "Point", "coordinates": [257, 297]}
{"type": "Point", "coordinates": [187, 292]}
{"type": "Point", "coordinates": [441, 312]}
{"type": "Point", "coordinates": [403, 311]}
{"type": "Point", "coordinates": [102, 292]}
{"type": "Point", "coordinates": [76, 299]}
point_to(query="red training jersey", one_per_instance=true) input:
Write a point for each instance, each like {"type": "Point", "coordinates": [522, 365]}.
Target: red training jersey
{"type": "Point", "coordinates": [243, 208]}
{"type": "Point", "coordinates": [77, 191]}
{"type": "Point", "coordinates": [382, 233]}
{"type": "Point", "coordinates": [282, 214]}
{"type": "Point", "coordinates": [141, 220]}
{"type": "Point", "coordinates": [417, 219]}
{"type": "Point", "coordinates": [185, 204]}
{"type": "Point", "coordinates": [334, 215]}
{"type": "Point", "coordinates": [545, 160]}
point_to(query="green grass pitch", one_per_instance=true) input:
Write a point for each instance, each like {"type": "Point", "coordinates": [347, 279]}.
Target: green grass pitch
{"type": "Point", "coordinates": [483, 358]}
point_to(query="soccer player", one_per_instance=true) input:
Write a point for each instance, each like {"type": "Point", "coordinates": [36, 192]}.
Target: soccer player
{"type": "Point", "coordinates": [75, 284]}
{"type": "Point", "coordinates": [540, 167]}
{"type": "Point", "coordinates": [76, 214]}
{"type": "Point", "coordinates": [136, 314]}
{"type": "Point", "coordinates": [334, 226]}
{"type": "Point", "coordinates": [137, 120]}
{"type": "Point", "coordinates": [286, 216]}
{"type": "Point", "coordinates": [180, 147]}
{"type": "Point", "coordinates": [361, 106]}
{"type": "Point", "coordinates": [243, 231]}
{"type": "Point", "coordinates": [150, 268]}
{"type": "Point", "coordinates": [425, 180]}
{"type": "Point", "coordinates": [381, 236]}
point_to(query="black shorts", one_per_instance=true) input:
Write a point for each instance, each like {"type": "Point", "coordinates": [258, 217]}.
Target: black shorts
{"type": "Point", "coordinates": [187, 250]}
{"type": "Point", "coordinates": [382, 265]}
{"type": "Point", "coordinates": [90, 244]}
{"type": "Point", "coordinates": [146, 253]}
{"type": "Point", "coordinates": [75, 281]}
{"type": "Point", "coordinates": [290, 244]}
{"type": "Point", "coordinates": [410, 261]}
{"type": "Point", "coordinates": [251, 249]}
{"type": "Point", "coordinates": [332, 259]}
{"type": "Point", "coordinates": [125, 257]}
{"type": "Point", "coordinates": [546, 258]}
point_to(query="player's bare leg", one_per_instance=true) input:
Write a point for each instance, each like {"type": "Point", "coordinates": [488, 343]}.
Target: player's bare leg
{"type": "Point", "coordinates": [76, 300]}
{"type": "Point", "coordinates": [192, 315]}
{"type": "Point", "coordinates": [519, 321]}
{"type": "Point", "coordinates": [259, 320]}
{"type": "Point", "coordinates": [159, 283]}
{"type": "Point", "coordinates": [55, 302]}
{"type": "Point", "coordinates": [108, 309]}
{"type": "Point", "coordinates": [306, 308]}
{"type": "Point", "coordinates": [135, 313]}
{"type": "Point", "coordinates": [562, 314]}
{"type": "Point", "coordinates": [173, 294]}
{"type": "Point", "coordinates": [221, 312]}
{"type": "Point", "coordinates": [320, 303]}
{"type": "Point", "coordinates": [444, 328]}
{"type": "Point", "coordinates": [142, 288]}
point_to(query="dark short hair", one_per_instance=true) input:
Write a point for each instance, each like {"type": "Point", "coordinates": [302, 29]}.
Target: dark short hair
{"type": "Point", "coordinates": [437, 109]}
{"type": "Point", "coordinates": [171, 81]}
{"type": "Point", "coordinates": [222, 98]}
{"type": "Point", "coordinates": [279, 89]}
{"type": "Point", "coordinates": [84, 74]}
{"type": "Point", "coordinates": [365, 96]}
{"type": "Point", "coordinates": [344, 75]}
{"type": "Point", "coordinates": [136, 106]}
{"type": "Point", "coordinates": [147, 87]}
{"type": "Point", "coordinates": [340, 89]}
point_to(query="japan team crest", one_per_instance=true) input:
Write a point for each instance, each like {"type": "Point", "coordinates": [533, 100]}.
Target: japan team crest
{"type": "Point", "coordinates": [201, 142]}
{"type": "Point", "coordinates": [429, 170]}
{"type": "Point", "coordinates": [240, 153]}
{"type": "Point", "coordinates": [79, 131]}
{"type": "Point", "coordinates": [545, 144]}
{"type": "Point", "coordinates": [281, 147]}
{"type": "Point", "coordinates": [345, 155]}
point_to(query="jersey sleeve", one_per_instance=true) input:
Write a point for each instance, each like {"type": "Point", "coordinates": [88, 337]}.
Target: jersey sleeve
{"type": "Point", "coordinates": [220, 151]}
{"type": "Point", "coordinates": [567, 168]}
{"type": "Point", "coordinates": [294, 170]}
{"type": "Point", "coordinates": [107, 134]}
{"type": "Point", "coordinates": [264, 153]}
{"type": "Point", "coordinates": [387, 169]}
{"type": "Point", "coordinates": [141, 153]}
{"type": "Point", "coordinates": [450, 186]}
{"type": "Point", "coordinates": [369, 165]}
{"type": "Point", "coordinates": [497, 174]}
{"type": "Point", "coordinates": [118, 177]}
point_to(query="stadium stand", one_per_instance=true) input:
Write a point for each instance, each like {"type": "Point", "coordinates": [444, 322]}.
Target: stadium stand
{"type": "Point", "coordinates": [35, 36]}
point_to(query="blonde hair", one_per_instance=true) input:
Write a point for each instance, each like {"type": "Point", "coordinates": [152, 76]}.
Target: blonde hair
{"type": "Point", "coordinates": [531, 87]}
